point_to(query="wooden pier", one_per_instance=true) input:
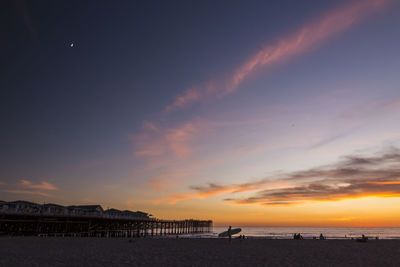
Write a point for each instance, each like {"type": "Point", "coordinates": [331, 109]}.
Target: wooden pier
{"type": "Point", "coordinates": [18, 224]}
{"type": "Point", "coordinates": [26, 218]}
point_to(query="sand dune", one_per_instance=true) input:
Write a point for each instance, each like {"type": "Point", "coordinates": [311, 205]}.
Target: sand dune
{"type": "Point", "coordinates": [35, 251]}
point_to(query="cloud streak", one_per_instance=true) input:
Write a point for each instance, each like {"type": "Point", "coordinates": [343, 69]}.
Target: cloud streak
{"type": "Point", "coordinates": [302, 40]}
{"type": "Point", "coordinates": [27, 192]}
{"type": "Point", "coordinates": [201, 192]}
{"type": "Point", "coordinates": [153, 141]}
{"type": "Point", "coordinates": [43, 185]}
{"type": "Point", "coordinates": [353, 177]}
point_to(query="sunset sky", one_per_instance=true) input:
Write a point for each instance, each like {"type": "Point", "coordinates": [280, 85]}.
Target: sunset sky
{"type": "Point", "coordinates": [272, 113]}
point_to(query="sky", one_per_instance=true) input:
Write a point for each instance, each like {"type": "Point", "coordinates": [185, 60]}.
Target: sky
{"type": "Point", "coordinates": [268, 113]}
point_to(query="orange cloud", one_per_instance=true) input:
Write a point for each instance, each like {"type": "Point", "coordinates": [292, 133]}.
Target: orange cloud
{"type": "Point", "coordinates": [299, 42]}
{"type": "Point", "coordinates": [353, 177]}
{"type": "Point", "coordinates": [385, 182]}
{"type": "Point", "coordinates": [201, 192]}
{"type": "Point", "coordinates": [43, 185]}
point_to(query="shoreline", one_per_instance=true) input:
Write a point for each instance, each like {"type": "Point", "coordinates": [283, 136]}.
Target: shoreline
{"type": "Point", "coordinates": [84, 251]}
{"type": "Point", "coordinates": [370, 238]}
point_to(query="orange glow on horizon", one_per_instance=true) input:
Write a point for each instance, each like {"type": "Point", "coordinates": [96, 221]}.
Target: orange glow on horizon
{"type": "Point", "coordinates": [365, 211]}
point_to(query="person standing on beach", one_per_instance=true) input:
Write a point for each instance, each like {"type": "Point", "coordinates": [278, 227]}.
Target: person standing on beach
{"type": "Point", "coordinates": [230, 234]}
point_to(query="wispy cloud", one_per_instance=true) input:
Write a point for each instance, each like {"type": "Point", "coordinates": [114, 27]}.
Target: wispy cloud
{"type": "Point", "coordinates": [328, 140]}
{"type": "Point", "coordinates": [302, 40]}
{"type": "Point", "coordinates": [27, 192]}
{"type": "Point", "coordinates": [110, 186]}
{"type": "Point", "coordinates": [43, 185]}
{"type": "Point", "coordinates": [212, 189]}
{"type": "Point", "coordinates": [353, 177]}
{"type": "Point", "coordinates": [153, 141]}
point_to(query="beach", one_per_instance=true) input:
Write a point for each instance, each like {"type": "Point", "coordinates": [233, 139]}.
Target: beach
{"type": "Point", "coordinates": [69, 251]}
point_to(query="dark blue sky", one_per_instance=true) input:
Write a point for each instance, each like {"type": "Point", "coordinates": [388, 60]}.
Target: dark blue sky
{"type": "Point", "coordinates": [97, 116]}
{"type": "Point", "coordinates": [129, 60]}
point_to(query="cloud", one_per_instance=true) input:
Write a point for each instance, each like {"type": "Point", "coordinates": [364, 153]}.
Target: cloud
{"type": "Point", "coordinates": [322, 192]}
{"type": "Point", "coordinates": [43, 185]}
{"type": "Point", "coordinates": [302, 40]}
{"type": "Point", "coordinates": [176, 141]}
{"type": "Point", "coordinates": [27, 192]}
{"type": "Point", "coordinates": [354, 176]}
{"type": "Point", "coordinates": [201, 192]}
{"type": "Point", "coordinates": [328, 140]}
{"type": "Point", "coordinates": [189, 96]}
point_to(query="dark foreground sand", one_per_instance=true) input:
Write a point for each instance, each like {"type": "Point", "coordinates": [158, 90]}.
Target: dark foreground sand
{"type": "Point", "coordinates": [35, 251]}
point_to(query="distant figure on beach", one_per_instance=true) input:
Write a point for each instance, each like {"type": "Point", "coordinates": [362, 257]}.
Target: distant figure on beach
{"type": "Point", "coordinates": [362, 239]}
{"type": "Point", "coordinates": [230, 233]}
{"type": "Point", "coordinates": [297, 236]}
{"type": "Point", "coordinates": [321, 237]}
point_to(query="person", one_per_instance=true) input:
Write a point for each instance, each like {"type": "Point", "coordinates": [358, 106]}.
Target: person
{"type": "Point", "coordinates": [297, 236]}
{"type": "Point", "coordinates": [321, 237]}
{"type": "Point", "coordinates": [230, 233]}
{"type": "Point", "coordinates": [362, 239]}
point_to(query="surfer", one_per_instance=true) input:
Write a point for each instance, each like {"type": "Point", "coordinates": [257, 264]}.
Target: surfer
{"type": "Point", "coordinates": [230, 233]}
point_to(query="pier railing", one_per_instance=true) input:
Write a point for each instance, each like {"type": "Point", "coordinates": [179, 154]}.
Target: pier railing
{"type": "Point", "coordinates": [20, 223]}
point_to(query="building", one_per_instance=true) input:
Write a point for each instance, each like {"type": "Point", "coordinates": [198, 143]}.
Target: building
{"type": "Point", "coordinates": [88, 210]}
{"type": "Point", "coordinates": [54, 209]}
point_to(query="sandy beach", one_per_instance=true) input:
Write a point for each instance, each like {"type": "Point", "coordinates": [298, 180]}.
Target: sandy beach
{"type": "Point", "coordinates": [35, 251]}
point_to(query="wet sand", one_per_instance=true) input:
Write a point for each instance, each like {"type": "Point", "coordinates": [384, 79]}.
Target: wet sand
{"type": "Point", "coordinates": [36, 251]}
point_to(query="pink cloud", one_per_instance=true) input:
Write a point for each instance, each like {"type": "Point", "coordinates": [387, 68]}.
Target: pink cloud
{"type": "Point", "coordinates": [190, 95]}
{"type": "Point", "coordinates": [43, 185]}
{"type": "Point", "coordinates": [154, 141]}
{"type": "Point", "coordinates": [299, 42]}
{"type": "Point", "coordinates": [174, 154]}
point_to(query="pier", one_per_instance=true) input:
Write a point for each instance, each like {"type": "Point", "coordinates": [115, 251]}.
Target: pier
{"type": "Point", "coordinates": [90, 221]}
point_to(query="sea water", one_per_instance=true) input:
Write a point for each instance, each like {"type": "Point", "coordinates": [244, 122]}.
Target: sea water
{"type": "Point", "coordinates": [309, 232]}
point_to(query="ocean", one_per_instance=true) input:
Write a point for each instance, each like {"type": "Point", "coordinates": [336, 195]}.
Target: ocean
{"type": "Point", "coordinates": [310, 232]}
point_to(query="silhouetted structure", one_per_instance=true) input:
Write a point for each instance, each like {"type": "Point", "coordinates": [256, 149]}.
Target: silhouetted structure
{"type": "Point", "coordinates": [27, 218]}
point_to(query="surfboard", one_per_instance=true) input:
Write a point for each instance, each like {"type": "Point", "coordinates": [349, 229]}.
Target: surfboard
{"type": "Point", "coordinates": [233, 232]}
